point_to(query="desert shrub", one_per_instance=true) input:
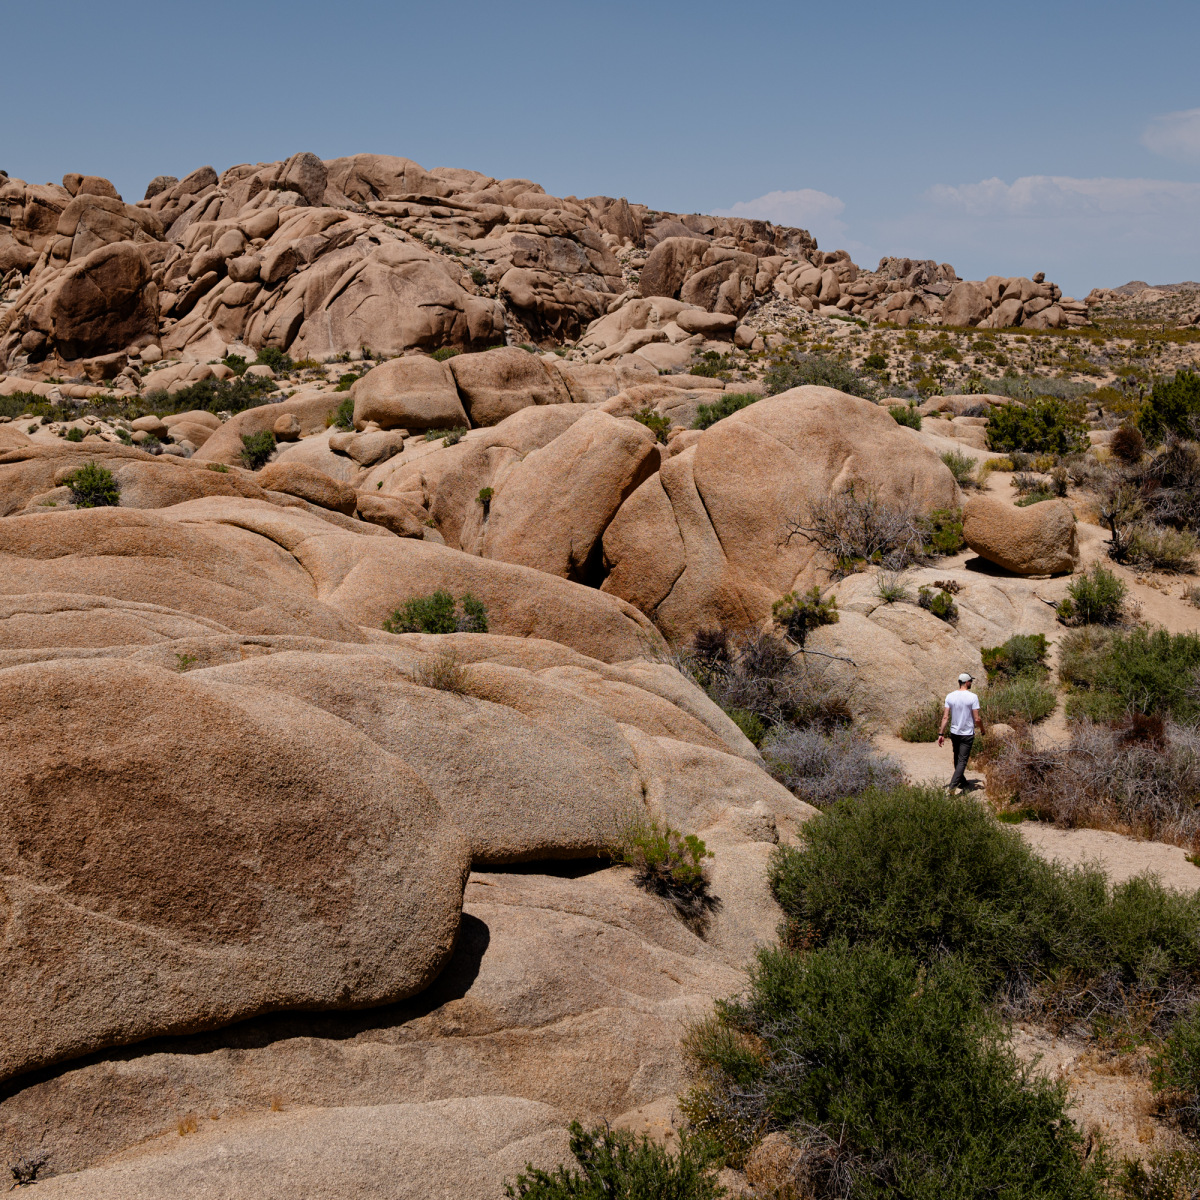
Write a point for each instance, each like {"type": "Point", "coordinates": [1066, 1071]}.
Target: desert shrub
{"type": "Point", "coordinates": [308, 363]}
{"type": "Point", "coordinates": [445, 352]}
{"type": "Point", "coordinates": [797, 616]}
{"type": "Point", "coordinates": [220, 468]}
{"type": "Point", "coordinates": [1023, 653]}
{"type": "Point", "coordinates": [875, 362]}
{"type": "Point", "coordinates": [857, 529]}
{"type": "Point", "coordinates": [93, 486]}
{"type": "Point", "coordinates": [666, 862]}
{"type": "Point", "coordinates": [485, 496]}
{"type": "Point", "coordinates": [236, 363]}
{"type": "Point", "coordinates": [1160, 548]}
{"type": "Point", "coordinates": [962, 467]}
{"type": "Point", "coordinates": [941, 532]}
{"type": "Point", "coordinates": [802, 369]}
{"type": "Point", "coordinates": [1034, 497]}
{"type": "Point", "coordinates": [930, 875]}
{"type": "Point", "coordinates": [756, 675]}
{"type": "Point", "coordinates": [74, 435]}
{"type": "Point", "coordinates": [1140, 775]}
{"type": "Point", "coordinates": [438, 613]}
{"type": "Point", "coordinates": [713, 365]}
{"type": "Point", "coordinates": [709, 414]}
{"type": "Point", "coordinates": [1176, 1068]}
{"type": "Point", "coordinates": [1173, 407]}
{"type": "Point", "coordinates": [442, 671]}
{"type": "Point", "coordinates": [906, 414]}
{"type": "Point", "coordinates": [922, 722]}
{"type": "Point", "coordinates": [656, 422]}
{"type": "Point", "coordinates": [615, 1165]}
{"type": "Point", "coordinates": [257, 448]}
{"type": "Point", "coordinates": [890, 588]}
{"type": "Point", "coordinates": [448, 437]}
{"type": "Point", "coordinates": [343, 417]}
{"type": "Point", "coordinates": [1025, 698]}
{"type": "Point", "coordinates": [1144, 671]}
{"type": "Point", "coordinates": [890, 1078]}
{"type": "Point", "coordinates": [1171, 1176]}
{"type": "Point", "coordinates": [276, 359]}
{"type": "Point", "coordinates": [213, 395]}
{"type": "Point", "coordinates": [345, 382]}
{"type": "Point", "coordinates": [820, 768]}
{"type": "Point", "coordinates": [1128, 445]}
{"type": "Point", "coordinates": [1094, 598]}
{"type": "Point", "coordinates": [1043, 426]}
{"type": "Point", "coordinates": [940, 603]}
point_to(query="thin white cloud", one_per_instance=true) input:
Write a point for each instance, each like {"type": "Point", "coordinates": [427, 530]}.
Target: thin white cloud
{"type": "Point", "coordinates": [1057, 197]}
{"type": "Point", "coordinates": [818, 212]}
{"type": "Point", "coordinates": [1174, 135]}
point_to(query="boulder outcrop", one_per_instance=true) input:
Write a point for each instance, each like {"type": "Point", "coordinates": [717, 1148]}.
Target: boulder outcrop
{"type": "Point", "coordinates": [1039, 539]}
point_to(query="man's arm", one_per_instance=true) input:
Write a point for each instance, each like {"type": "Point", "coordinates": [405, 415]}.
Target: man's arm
{"type": "Point", "coordinates": [945, 718]}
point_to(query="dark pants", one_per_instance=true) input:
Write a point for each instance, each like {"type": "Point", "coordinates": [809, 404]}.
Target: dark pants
{"type": "Point", "coordinates": [962, 751]}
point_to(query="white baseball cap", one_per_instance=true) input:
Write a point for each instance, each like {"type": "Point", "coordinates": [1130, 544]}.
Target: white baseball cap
{"type": "Point", "coordinates": [965, 678]}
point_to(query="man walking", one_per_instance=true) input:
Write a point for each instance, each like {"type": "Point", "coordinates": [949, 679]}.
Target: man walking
{"type": "Point", "coordinates": [962, 711]}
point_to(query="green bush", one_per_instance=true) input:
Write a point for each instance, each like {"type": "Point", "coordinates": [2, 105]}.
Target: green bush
{"type": "Point", "coordinates": [726, 406]}
{"type": "Point", "coordinates": [750, 723]}
{"type": "Point", "coordinates": [962, 467]}
{"type": "Point", "coordinates": [1094, 598]}
{"type": "Point", "coordinates": [906, 414]}
{"type": "Point", "coordinates": [346, 382]}
{"type": "Point", "coordinates": [799, 615]}
{"type": "Point", "coordinates": [1143, 671]}
{"type": "Point", "coordinates": [1043, 426]}
{"type": "Point", "coordinates": [93, 486]}
{"type": "Point", "coordinates": [940, 603]}
{"type": "Point", "coordinates": [804, 369]}
{"type": "Point", "coordinates": [1173, 406]}
{"type": "Point", "coordinates": [1160, 548]}
{"type": "Point", "coordinates": [214, 395]}
{"type": "Point", "coordinates": [875, 362]}
{"type": "Point", "coordinates": [656, 422]}
{"type": "Point", "coordinates": [438, 613]}
{"type": "Point", "coordinates": [343, 418]}
{"type": "Point", "coordinates": [942, 531]}
{"type": "Point", "coordinates": [615, 1165]}
{"type": "Point", "coordinates": [713, 365]}
{"type": "Point", "coordinates": [448, 437]}
{"type": "Point", "coordinates": [926, 874]}
{"type": "Point", "coordinates": [1025, 698]}
{"type": "Point", "coordinates": [257, 448]}
{"type": "Point", "coordinates": [922, 722]}
{"type": "Point", "coordinates": [485, 496]}
{"type": "Point", "coordinates": [1023, 653]}
{"type": "Point", "coordinates": [236, 363]}
{"type": "Point", "coordinates": [276, 359]}
{"type": "Point", "coordinates": [1171, 1176]}
{"type": "Point", "coordinates": [891, 1078]}
{"type": "Point", "coordinates": [1176, 1066]}
{"type": "Point", "coordinates": [445, 352]}
{"type": "Point", "coordinates": [668, 863]}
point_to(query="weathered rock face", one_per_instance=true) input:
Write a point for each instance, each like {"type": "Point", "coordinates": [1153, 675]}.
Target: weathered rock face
{"type": "Point", "coordinates": [1039, 539]}
{"type": "Point", "coordinates": [309, 483]}
{"type": "Point", "coordinates": [704, 540]}
{"type": "Point", "coordinates": [159, 895]}
{"type": "Point", "coordinates": [409, 393]}
{"type": "Point", "coordinates": [498, 383]}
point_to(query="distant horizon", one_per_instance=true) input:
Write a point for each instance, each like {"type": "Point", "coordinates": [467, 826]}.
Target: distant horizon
{"type": "Point", "coordinates": [1063, 138]}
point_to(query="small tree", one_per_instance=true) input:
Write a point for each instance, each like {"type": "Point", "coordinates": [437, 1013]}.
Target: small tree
{"type": "Point", "coordinates": [93, 486]}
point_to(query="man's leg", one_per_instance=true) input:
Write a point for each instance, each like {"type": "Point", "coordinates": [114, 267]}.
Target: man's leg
{"type": "Point", "coordinates": [962, 752]}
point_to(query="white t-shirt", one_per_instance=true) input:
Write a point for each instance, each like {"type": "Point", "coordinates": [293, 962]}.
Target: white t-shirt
{"type": "Point", "coordinates": [962, 705]}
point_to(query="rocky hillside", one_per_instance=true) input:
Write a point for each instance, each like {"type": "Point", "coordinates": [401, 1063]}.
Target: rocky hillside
{"type": "Point", "coordinates": [325, 258]}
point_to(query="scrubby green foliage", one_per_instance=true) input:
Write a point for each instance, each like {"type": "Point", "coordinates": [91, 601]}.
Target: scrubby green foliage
{"type": "Point", "coordinates": [940, 603]}
{"type": "Point", "coordinates": [713, 365]}
{"type": "Point", "coordinates": [279, 361]}
{"type": "Point", "coordinates": [214, 395]}
{"type": "Point", "coordinates": [1176, 1067]}
{"type": "Point", "coordinates": [1023, 653]}
{"type": "Point", "coordinates": [1043, 426]}
{"type": "Point", "coordinates": [875, 362]}
{"type": "Point", "coordinates": [726, 406]}
{"type": "Point", "coordinates": [343, 418]}
{"type": "Point", "coordinates": [74, 435]}
{"type": "Point", "coordinates": [805, 369]}
{"type": "Point", "coordinates": [93, 486]}
{"type": "Point", "coordinates": [236, 363]}
{"type": "Point", "coordinates": [1160, 548]}
{"type": "Point", "coordinates": [615, 1165]}
{"type": "Point", "coordinates": [921, 724]}
{"type": "Point", "coordinates": [257, 448]}
{"type": "Point", "coordinates": [962, 467]}
{"type": "Point", "coordinates": [448, 437]}
{"type": "Point", "coordinates": [799, 615]}
{"type": "Point", "coordinates": [438, 613]}
{"type": "Point", "coordinates": [1173, 406]}
{"type": "Point", "coordinates": [906, 414]}
{"type": "Point", "coordinates": [750, 723]}
{"type": "Point", "coordinates": [1171, 1176]}
{"type": "Point", "coordinates": [925, 874]}
{"type": "Point", "coordinates": [942, 531]}
{"type": "Point", "coordinates": [485, 496]}
{"type": "Point", "coordinates": [445, 352]}
{"type": "Point", "coordinates": [346, 381]}
{"type": "Point", "coordinates": [656, 422]}
{"type": "Point", "coordinates": [890, 1076]}
{"type": "Point", "coordinates": [1094, 598]}
{"type": "Point", "coordinates": [1144, 671]}
{"type": "Point", "coordinates": [665, 854]}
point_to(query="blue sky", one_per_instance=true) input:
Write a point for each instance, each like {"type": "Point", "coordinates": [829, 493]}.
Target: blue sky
{"type": "Point", "coordinates": [1003, 138]}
